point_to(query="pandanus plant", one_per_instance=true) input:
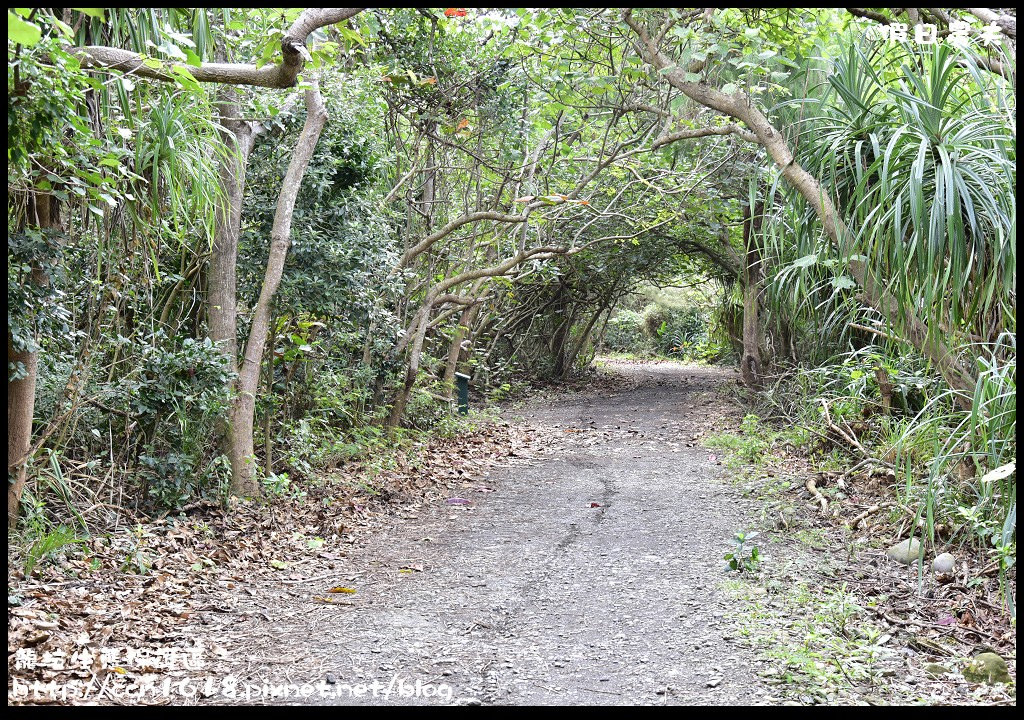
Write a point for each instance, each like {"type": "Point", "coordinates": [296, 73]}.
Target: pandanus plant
{"type": "Point", "coordinates": [917, 147]}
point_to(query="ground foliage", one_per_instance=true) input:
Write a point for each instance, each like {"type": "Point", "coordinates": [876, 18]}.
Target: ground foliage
{"type": "Point", "coordinates": [69, 599]}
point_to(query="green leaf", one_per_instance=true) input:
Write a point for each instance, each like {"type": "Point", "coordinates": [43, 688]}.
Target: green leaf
{"type": "Point", "coordinates": [184, 77]}
{"type": "Point", "coordinates": [91, 12]}
{"type": "Point", "coordinates": [65, 30]}
{"type": "Point", "coordinates": [21, 31]}
{"type": "Point", "coordinates": [192, 59]}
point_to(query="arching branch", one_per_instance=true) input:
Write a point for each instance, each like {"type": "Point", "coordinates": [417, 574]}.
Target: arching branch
{"type": "Point", "coordinates": [282, 75]}
{"type": "Point", "coordinates": [875, 293]}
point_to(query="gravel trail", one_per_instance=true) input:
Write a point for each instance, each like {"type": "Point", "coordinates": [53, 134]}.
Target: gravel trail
{"type": "Point", "coordinates": [588, 575]}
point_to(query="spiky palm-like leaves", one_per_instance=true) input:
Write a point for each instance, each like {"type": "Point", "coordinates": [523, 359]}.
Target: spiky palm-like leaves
{"type": "Point", "coordinates": [917, 148]}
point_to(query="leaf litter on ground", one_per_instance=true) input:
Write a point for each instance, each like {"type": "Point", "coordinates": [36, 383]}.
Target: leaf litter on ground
{"type": "Point", "coordinates": [151, 590]}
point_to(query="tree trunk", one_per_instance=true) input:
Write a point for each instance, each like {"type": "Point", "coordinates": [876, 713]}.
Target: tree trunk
{"type": "Point", "coordinates": [581, 342]}
{"type": "Point", "coordinates": [885, 389]}
{"type": "Point", "coordinates": [240, 438]}
{"type": "Point", "coordinates": [428, 195]}
{"type": "Point", "coordinates": [455, 352]}
{"type": "Point", "coordinates": [412, 366]}
{"type": "Point", "coordinates": [238, 137]}
{"type": "Point", "coordinates": [20, 410]}
{"type": "Point", "coordinates": [563, 307]}
{"type": "Point", "coordinates": [750, 365]}
{"type": "Point", "coordinates": [21, 393]}
{"type": "Point", "coordinates": [787, 340]}
{"type": "Point", "coordinates": [602, 333]}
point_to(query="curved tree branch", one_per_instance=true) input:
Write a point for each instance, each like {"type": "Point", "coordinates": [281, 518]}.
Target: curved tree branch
{"type": "Point", "coordinates": [738, 106]}
{"type": "Point", "coordinates": [730, 129]}
{"type": "Point", "coordinates": [283, 75]}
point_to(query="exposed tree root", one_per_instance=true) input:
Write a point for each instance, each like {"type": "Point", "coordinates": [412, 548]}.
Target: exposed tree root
{"type": "Point", "coordinates": [812, 488]}
{"type": "Point", "coordinates": [853, 524]}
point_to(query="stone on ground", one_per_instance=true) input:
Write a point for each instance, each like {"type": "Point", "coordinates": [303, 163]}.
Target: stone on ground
{"type": "Point", "coordinates": [943, 563]}
{"type": "Point", "coordinates": [987, 668]}
{"type": "Point", "coordinates": [905, 552]}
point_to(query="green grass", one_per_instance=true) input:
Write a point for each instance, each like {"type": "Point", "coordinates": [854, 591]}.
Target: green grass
{"type": "Point", "coordinates": [812, 537]}
{"type": "Point", "coordinates": [819, 640]}
{"type": "Point", "coordinates": [748, 447]}
{"type": "Point", "coordinates": [48, 545]}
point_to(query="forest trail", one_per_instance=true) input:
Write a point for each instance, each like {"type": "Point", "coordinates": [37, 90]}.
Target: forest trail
{"type": "Point", "coordinates": [236, 474]}
{"type": "Point", "coordinates": [587, 576]}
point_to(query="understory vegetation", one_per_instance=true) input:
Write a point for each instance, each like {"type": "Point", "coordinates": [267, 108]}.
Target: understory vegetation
{"type": "Point", "coordinates": [688, 324]}
{"type": "Point", "coordinates": [248, 247]}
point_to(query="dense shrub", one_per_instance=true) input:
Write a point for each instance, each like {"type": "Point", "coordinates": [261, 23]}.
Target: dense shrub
{"type": "Point", "coordinates": [625, 334]}
{"type": "Point", "coordinates": [171, 405]}
{"type": "Point", "coordinates": [684, 333]}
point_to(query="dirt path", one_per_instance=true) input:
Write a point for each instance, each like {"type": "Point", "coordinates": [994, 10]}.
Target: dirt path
{"type": "Point", "coordinates": [587, 576]}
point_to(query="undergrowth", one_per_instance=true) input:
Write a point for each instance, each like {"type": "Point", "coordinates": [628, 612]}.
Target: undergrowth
{"type": "Point", "coordinates": [953, 469]}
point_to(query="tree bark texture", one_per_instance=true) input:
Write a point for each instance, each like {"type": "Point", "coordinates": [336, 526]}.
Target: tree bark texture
{"type": "Point", "coordinates": [241, 451]}
{"type": "Point", "coordinates": [282, 75]}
